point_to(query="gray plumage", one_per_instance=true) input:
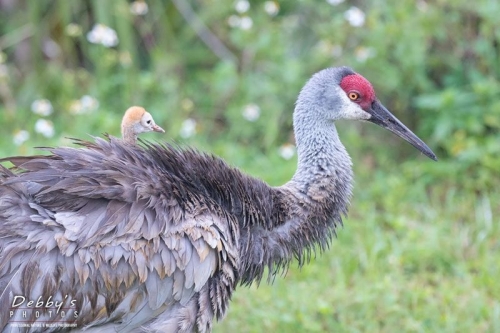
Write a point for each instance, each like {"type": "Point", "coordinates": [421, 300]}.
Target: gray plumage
{"type": "Point", "coordinates": [155, 238]}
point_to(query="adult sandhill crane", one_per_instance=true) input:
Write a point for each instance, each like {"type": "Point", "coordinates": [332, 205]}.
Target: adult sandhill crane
{"type": "Point", "coordinates": [137, 120]}
{"type": "Point", "coordinates": [156, 238]}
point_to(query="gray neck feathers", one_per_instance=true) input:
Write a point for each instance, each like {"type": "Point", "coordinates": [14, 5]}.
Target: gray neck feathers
{"type": "Point", "coordinates": [309, 207]}
{"type": "Point", "coordinates": [321, 155]}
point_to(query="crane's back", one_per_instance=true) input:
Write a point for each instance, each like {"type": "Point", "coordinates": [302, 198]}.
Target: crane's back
{"type": "Point", "coordinates": [122, 235]}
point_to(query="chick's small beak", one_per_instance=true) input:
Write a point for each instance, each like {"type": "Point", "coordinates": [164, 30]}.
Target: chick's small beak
{"type": "Point", "coordinates": [157, 128]}
{"type": "Point", "coordinates": [382, 117]}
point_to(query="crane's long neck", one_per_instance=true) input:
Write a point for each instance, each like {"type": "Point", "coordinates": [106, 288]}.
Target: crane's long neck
{"type": "Point", "coordinates": [323, 162]}
{"type": "Point", "coordinates": [128, 134]}
{"type": "Point", "coordinates": [307, 209]}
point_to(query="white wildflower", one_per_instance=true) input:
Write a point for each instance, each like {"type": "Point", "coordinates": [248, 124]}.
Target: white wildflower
{"type": "Point", "coordinates": [89, 103]}
{"type": "Point", "coordinates": [287, 151]}
{"type": "Point", "coordinates": [246, 23]}
{"type": "Point", "coordinates": [234, 21]}
{"type": "Point", "coordinates": [242, 6]}
{"type": "Point", "coordinates": [334, 2]}
{"type": "Point", "coordinates": [139, 8]}
{"type": "Point", "coordinates": [364, 53]}
{"type": "Point", "coordinates": [42, 107]}
{"type": "Point", "coordinates": [104, 35]}
{"type": "Point", "coordinates": [355, 16]}
{"type": "Point", "coordinates": [83, 105]}
{"type": "Point", "coordinates": [251, 112]}
{"type": "Point", "coordinates": [271, 8]}
{"type": "Point", "coordinates": [188, 128]}
{"type": "Point", "coordinates": [73, 30]}
{"type": "Point", "coordinates": [44, 127]}
{"type": "Point", "coordinates": [20, 137]}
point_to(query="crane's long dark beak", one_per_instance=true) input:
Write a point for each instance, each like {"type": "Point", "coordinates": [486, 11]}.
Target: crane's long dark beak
{"type": "Point", "coordinates": [382, 117]}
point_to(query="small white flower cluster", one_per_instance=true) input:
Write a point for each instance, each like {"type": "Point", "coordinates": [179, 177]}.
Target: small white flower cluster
{"type": "Point", "coordinates": [21, 137]}
{"type": "Point", "coordinates": [104, 35]}
{"type": "Point", "coordinates": [44, 127]}
{"type": "Point", "coordinates": [272, 8]}
{"type": "Point", "coordinates": [139, 8]}
{"type": "Point", "coordinates": [188, 128]}
{"type": "Point", "coordinates": [245, 22]}
{"type": "Point", "coordinates": [251, 112]}
{"type": "Point", "coordinates": [355, 16]}
{"type": "Point", "coordinates": [242, 6]}
{"type": "Point", "coordinates": [287, 151]}
{"type": "Point", "coordinates": [41, 107]}
{"type": "Point", "coordinates": [242, 22]}
{"type": "Point", "coordinates": [84, 105]}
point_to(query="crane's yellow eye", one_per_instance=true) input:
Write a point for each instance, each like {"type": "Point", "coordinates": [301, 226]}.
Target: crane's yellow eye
{"type": "Point", "coordinates": [353, 96]}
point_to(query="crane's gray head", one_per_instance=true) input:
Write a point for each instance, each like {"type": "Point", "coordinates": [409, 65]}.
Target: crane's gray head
{"type": "Point", "coordinates": [340, 93]}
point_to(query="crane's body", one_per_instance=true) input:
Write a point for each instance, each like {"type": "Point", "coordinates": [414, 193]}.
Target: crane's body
{"type": "Point", "coordinates": [156, 238]}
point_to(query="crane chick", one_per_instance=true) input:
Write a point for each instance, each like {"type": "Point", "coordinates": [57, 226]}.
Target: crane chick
{"type": "Point", "coordinates": [135, 121]}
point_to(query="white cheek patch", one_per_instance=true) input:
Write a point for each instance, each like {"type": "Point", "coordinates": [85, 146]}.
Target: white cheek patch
{"type": "Point", "coordinates": [355, 112]}
{"type": "Point", "coordinates": [352, 110]}
{"type": "Point", "coordinates": [138, 128]}
{"type": "Point", "coordinates": [147, 117]}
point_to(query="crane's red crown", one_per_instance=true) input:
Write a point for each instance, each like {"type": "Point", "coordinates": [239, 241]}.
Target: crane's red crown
{"type": "Point", "coordinates": [358, 84]}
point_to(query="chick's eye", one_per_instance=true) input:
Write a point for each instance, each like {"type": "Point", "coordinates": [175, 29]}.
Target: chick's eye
{"type": "Point", "coordinates": [148, 122]}
{"type": "Point", "coordinates": [353, 96]}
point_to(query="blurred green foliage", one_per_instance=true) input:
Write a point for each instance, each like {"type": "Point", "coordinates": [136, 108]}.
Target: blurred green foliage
{"type": "Point", "coordinates": [435, 65]}
{"type": "Point", "coordinates": [464, 122]}
{"type": "Point", "coordinates": [418, 252]}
